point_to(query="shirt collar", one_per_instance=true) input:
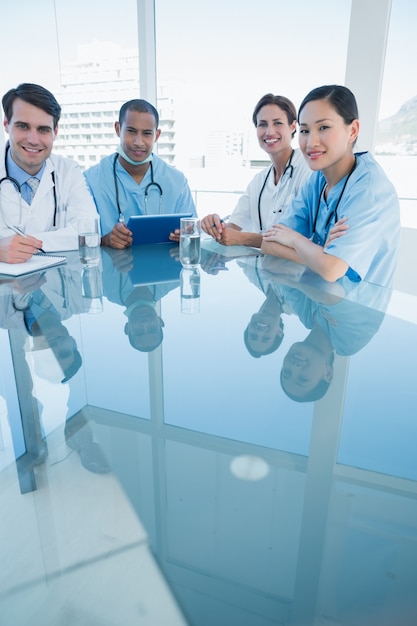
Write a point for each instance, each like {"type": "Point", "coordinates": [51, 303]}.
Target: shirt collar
{"type": "Point", "coordinates": [17, 172]}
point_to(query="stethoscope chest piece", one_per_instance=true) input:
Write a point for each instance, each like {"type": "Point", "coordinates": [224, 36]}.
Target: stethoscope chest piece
{"type": "Point", "coordinates": [148, 188]}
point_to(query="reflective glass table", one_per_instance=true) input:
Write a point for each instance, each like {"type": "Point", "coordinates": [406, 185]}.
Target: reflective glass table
{"type": "Point", "coordinates": [230, 444]}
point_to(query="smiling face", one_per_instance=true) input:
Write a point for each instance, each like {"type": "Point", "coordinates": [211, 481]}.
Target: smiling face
{"type": "Point", "coordinates": [31, 135]}
{"type": "Point", "coordinates": [138, 134]}
{"type": "Point", "coordinates": [326, 141]}
{"type": "Point", "coordinates": [273, 130]}
{"type": "Point", "coordinates": [144, 328]}
{"type": "Point", "coordinates": [263, 331]}
{"type": "Point", "coordinates": [304, 367]}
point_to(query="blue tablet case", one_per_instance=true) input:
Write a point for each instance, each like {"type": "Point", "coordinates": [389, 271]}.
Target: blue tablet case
{"type": "Point", "coordinates": [154, 228]}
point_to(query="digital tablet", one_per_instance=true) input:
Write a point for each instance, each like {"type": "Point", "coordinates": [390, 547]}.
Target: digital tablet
{"type": "Point", "coordinates": [154, 228]}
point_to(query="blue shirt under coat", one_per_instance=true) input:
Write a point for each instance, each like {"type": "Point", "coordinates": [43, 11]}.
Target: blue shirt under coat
{"type": "Point", "coordinates": [22, 177]}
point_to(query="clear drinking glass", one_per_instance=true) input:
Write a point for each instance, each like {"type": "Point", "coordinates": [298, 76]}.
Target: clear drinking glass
{"type": "Point", "coordinates": [190, 233]}
{"type": "Point", "coordinates": [89, 240]}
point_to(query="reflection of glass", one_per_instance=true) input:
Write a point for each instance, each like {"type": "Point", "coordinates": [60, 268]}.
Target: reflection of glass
{"type": "Point", "coordinates": [92, 289]}
{"type": "Point", "coordinates": [190, 290]}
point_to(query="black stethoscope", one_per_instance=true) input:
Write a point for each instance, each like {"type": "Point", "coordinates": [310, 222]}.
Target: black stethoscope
{"type": "Point", "coordinates": [147, 188]}
{"type": "Point", "coordinates": [315, 237]}
{"type": "Point", "coordinates": [288, 168]}
{"type": "Point", "coordinates": [17, 186]}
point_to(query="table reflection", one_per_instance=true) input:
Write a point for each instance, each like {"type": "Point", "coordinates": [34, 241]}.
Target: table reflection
{"type": "Point", "coordinates": [266, 443]}
{"type": "Point", "coordinates": [137, 279]}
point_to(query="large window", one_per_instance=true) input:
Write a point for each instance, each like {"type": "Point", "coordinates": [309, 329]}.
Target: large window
{"type": "Point", "coordinates": [218, 58]}
{"type": "Point", "coordinates": [214, 61]}
{"type": "Point", "coordinates": [40, 40]}
{"type": "Point", "coordinates": [396, 145]}
{"type": "Point", "coordinates": [86, 54]}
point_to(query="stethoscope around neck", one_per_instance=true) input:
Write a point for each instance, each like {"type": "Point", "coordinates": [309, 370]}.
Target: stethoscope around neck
{"type": "Point", "coordinates": [147, 188]}
{"type": "Point", "coordinates": [288, 168]}
{"type": "Point", "coordinates": [333, 213]}
{"type": "Point", "coordinates": [18, 188]}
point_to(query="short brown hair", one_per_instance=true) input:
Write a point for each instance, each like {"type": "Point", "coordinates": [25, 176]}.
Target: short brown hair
{"type": "Point", "coordinates": [280, 101]}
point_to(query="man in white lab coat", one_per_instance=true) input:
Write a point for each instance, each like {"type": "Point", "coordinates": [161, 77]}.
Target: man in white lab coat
{"type": "Point", "coordinates": [41, 195]}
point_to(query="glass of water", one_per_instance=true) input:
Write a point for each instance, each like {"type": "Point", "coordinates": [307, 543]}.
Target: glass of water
{"type": "Point", "coordinates": [89, 240]}
{"type": "Point", "coordinates": [190, 233]}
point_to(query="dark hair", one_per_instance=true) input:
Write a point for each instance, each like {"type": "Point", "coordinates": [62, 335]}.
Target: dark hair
{"type": "Point", "coordinates": [140, 340]}
{"type": "Point", "coordinates": [340, 97]}
{"type": "Point", "coordinates": [280, 101]}
{"type": "Point", "coordinates": [274, 346]}
{"type": "Point", "coordinates": [141, 106]}
{"type": "Point", "coordinates": [32, 94]}
{"type": "Point", "coordinates": [136, 341]}
{"type": "Point", "coordinates": [313, 394]}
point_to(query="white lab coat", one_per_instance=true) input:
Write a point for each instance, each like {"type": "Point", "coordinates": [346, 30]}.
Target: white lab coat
{"type": "Point", "coordinates": [275, 198]}
{"type": "Point", "coordinates": [73, 200]}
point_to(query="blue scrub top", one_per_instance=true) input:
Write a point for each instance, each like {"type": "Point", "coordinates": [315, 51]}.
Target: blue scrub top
{"type": "Point", "coordinates": [176, 194]}
{"type": "Point", "coordinates": [370, 202]}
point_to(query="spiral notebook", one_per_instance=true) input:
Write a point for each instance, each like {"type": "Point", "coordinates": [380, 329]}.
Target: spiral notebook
{"type": "Point", "coordinates": [36, 263]}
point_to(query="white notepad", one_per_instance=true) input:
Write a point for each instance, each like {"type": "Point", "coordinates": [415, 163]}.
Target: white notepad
{"type": "Point", "coordinates": [36, 263]}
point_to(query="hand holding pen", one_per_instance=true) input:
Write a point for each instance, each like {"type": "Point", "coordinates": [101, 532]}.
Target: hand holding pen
{"type": "Point", "coordinates": [213, 225]}
{"type": "Point", "coordinates": [19, 249]}
{"type": "Point", "coordinates": [35, 241]}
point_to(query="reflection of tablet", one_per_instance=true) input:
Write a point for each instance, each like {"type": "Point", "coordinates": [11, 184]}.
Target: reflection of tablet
{"type": "Point", "coordinates": [153, 264]}
{"type": "Point", "coordinates": [154, 228]}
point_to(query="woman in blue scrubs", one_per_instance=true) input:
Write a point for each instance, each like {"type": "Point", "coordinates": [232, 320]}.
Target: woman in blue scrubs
{"type": "Point", "coordinates": [346, 221]}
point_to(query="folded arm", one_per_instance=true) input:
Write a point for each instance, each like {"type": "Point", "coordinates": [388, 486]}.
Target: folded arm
{"type": "Point", "coordinates": [287, 243]}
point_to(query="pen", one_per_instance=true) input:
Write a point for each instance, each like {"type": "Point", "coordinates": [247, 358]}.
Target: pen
{"type": "Point", "coordinates": [17, 230]}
